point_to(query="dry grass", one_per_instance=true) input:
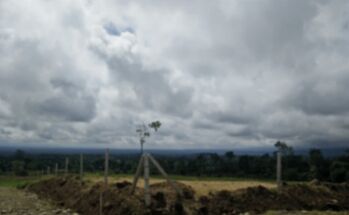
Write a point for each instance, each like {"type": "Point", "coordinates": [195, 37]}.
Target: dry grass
{"type": "Point", "coordinates": [201, 187]}
{"type": "Point", "coordinates": [204, 187]}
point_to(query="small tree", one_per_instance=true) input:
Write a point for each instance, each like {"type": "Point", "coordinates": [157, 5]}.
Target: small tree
{"type": "Point", "coordinates": [284, 148]}
{"type": "Point", "coordinates": [319, 166]}
{"type": "Point", "coordinates": [155, 125]}
{"type": "Point", "coordinates": [144, 132]}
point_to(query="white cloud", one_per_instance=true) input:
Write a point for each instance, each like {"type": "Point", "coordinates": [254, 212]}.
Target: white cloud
{"type": "Point", "coordinates": [216, 73]}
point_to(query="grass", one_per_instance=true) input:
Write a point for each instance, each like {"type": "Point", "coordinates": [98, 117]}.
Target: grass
{"type": "Point", "coordinates": [201, 185]}
{"type": "Point", "coordinates": [15, 181]}
{"type": "Point", "coordinates": [182, 177]}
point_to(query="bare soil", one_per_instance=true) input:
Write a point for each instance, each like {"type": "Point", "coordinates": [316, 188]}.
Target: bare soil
{"type": "Point", "coordinates": [256, 200]}
{"type": "Point", "coordinates": [85, 199]}
{"type": "Point", "coordinates": [18, 202]}
{"type": "Point", "coordinates": [201, 187]}
{"type": "Point", "coordinates": [116, 199]}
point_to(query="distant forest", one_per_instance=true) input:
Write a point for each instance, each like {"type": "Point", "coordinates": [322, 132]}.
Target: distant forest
{"type": "Point", "coordinates": [295, 167]}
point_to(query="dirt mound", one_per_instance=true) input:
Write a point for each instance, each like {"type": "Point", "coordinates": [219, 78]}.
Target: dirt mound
{"type": "Point", "coordinates": [115, 200]}
{"type": "Point", "coordinates": [123, 184]}
{"type": "Point", "coordinates": [70, 192]}
{"type": "Point", "coordinates": [255, 199]}
{"type": "Point", "coordinates": [187, 191]}
{"type": "Point", "coordinates": [292, 197]}
{"type": "Point", "coordinates": [166, 199]}
{"type": "Point", "coordinates": [58, 189]}
{"type": "Point", "coordinates": [84, 199]}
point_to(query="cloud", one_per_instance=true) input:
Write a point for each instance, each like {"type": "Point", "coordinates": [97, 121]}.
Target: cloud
{"type": "Point", "coordinates": [219, 74]}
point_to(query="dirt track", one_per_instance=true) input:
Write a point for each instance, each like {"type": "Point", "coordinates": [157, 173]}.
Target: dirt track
{"type": "Point", "coordinates": [18, 202]}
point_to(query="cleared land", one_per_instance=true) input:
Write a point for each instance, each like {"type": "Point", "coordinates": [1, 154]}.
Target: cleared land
{"type": "Point", "coordinates": [202, 186]}
{"type": "Point", "coordinates": [85, 198]}
{"type": "Point", "coordinates": [16, 202]}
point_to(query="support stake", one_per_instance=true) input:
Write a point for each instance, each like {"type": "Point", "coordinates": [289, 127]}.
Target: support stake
{"type": "Point", "coordinates": [164, 174]}
{"type": "Point", "coordinates": [146, 180]}
{"type": "Point", "coordinates": [106, 166]}
{"type": "Point", "coordinates": [138, 173]}
{"type": "Point", "coordinates": [144, 161]}
{"type": "Point", "coordinates": [279, 170]}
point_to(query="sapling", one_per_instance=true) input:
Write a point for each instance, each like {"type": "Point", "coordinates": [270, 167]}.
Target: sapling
{"type": "Point", "coordinates": [143, 132]}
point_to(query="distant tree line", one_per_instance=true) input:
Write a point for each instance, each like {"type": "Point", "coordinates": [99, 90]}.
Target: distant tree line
{"type": "Point", "coordinates": [295, 167]}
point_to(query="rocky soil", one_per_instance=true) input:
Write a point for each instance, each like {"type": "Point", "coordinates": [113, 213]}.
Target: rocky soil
{"type": "Point", "coordinates": [19, 202]}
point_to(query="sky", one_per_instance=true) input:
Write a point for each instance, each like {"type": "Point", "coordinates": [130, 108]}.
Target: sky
{"type": "Point", "coordinates": [216, 74]}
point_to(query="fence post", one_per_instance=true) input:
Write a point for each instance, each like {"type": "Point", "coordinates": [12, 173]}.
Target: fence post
{"type": "Point", "coordinates": [279, 170]}
{"type": "Point", "coordinates": [146, 180]}
{"type": "Point", "coordinates": [81, 166]}
{"type": "Point", "coordinates": [66, 166]}
{"type": "Point", "coordinates": [106, 166]}
{"type": "Point", "coordinates": [48, 170]}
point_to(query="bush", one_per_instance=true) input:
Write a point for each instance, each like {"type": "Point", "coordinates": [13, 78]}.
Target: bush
{"type": "Point", "coordinates": [338, 175]}
{"type": "Point", "coordinates": [291, 174]}
{"type": "Point", "coordinates": [18, 168]}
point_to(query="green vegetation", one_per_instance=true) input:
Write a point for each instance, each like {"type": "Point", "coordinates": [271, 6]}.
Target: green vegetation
{"type": "Point", "coordinates": [13, 181]}
{"type": "Point", "coordinates": [193, 167]}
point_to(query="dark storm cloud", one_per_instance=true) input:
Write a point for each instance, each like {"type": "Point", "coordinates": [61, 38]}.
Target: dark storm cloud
{"type": "Point", "coordinates": [247, 132]}
{"type": "Point", "coordinates": [80, 109]}
{"type": "Point", "coordinates": [325, 97]}
{"type": "Point", "coordinates": [226, 117]}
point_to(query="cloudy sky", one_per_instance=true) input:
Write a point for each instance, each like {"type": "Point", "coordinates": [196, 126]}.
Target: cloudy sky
{"type": "Point", "coordinates": [217, 74]}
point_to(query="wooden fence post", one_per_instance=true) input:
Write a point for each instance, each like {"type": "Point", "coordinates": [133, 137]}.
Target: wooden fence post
{"type": "Point", "coordinates": [146, 180]}
{"type": "Point", "coordinates": [106, 166]}
{"type": "Point", "coordinates": [48, 170]}
{"type": "Point", "coordinates": [279, 170]}
{"type": "Point", "coordinates": [81, 166]}
{"type": "Point", "coordinates": [66, 166]}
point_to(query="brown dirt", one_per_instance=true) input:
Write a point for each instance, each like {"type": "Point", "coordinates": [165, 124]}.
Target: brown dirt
{"type": "Point", "coordinates": [256, 200]}
{"type": "Point", "coordinates": [70, 192]}
{"type": "Point", "coordinates": [85, 199]}
{"type": "Point", "coordinates": [18, 202]}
